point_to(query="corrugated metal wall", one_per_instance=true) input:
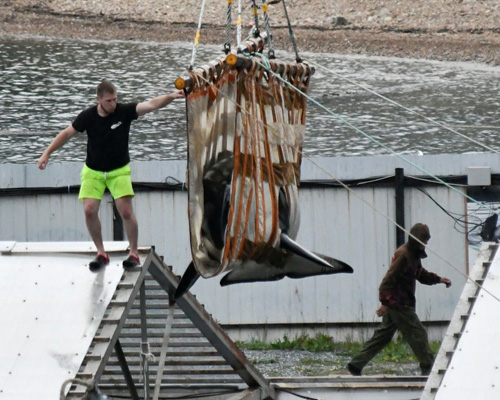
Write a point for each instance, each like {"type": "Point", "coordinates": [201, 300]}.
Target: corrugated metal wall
{"type": "Point", "coordinates": [349, 225]}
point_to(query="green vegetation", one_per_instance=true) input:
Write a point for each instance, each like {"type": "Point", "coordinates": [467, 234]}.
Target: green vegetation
{"type": "Point", "coordinates": [320, 342]}
{"type": "Point", "coordinates": [397, 351]}
{"type": "Point", "coordinates": [266, 361]}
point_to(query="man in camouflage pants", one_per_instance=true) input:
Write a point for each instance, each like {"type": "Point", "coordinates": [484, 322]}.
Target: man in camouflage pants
{"type": "Point", "coordinates": [397, 295]}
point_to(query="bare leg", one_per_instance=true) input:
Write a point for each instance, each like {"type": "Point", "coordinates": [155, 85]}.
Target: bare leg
{"type": "Point", "coordinates": [124, 205]}
{"type": "Point", "coordinates": [91, 210]}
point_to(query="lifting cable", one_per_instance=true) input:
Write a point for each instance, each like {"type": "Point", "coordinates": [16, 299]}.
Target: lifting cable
{"type": "Point", "coordinates": [267, 25]}
{"type": "Point", "coordinates": [265, 64]}
{"type": "Point", "coordinates": [256, 30]}
{"type": "Point", "coordinates": [387, 217]}
{"type": "Point", "coordinates": [368, 136]}
{"type": "Point", "coordinates": [238, 25]}
{"type": "Point", "coordinates": [292, 35]}
{"type": "Point", "coordinates": [434, 122]}
{"type": "Point", "coordinates": [227, 44]}
{"type": "Point", "coordinates": [197, 36]}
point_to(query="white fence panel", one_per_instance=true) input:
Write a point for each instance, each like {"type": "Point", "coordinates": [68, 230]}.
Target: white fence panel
{"type": "Point", "coordinates": [353, 226]}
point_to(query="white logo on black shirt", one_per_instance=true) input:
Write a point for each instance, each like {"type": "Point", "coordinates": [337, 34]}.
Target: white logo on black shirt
{"type": "Point", "coordinates": [114, 126]}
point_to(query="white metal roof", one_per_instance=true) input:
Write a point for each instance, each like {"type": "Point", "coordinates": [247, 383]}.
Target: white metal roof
{"type": "Point", "coordinates": [468, 363]}
{"type": "Point", "coordinates": [51, 307]}
{"type": "Point", "coordinates": [60, 321]}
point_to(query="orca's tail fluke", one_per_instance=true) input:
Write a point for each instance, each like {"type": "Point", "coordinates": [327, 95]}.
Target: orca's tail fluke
{"type": "Point", "coordinates": [187, 281]}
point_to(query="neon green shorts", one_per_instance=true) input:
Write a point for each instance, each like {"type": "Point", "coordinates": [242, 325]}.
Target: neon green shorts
{"type": "Point", "coordinates": [94, 183]}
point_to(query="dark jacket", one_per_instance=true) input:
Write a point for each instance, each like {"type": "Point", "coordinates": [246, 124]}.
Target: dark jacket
{"type": "Point", "coordinates": [397, 289]}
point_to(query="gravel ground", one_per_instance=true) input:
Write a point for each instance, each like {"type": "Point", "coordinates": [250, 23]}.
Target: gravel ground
{"type": "Point", "coordinates": [453, 30]}
{"type": "Point", "coordinates": [293, 363]}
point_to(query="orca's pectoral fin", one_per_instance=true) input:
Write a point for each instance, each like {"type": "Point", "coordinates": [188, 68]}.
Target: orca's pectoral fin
{"type": "Point", "coordinates": [286, 243]}
{"type": "Point", "coordinates": [338, 266]}
{"type": "Point", "coordinates": [187, 281]}
{"type": "Point", "coordinates": [299, 263]}
{"type": "Point", "coordinates": [298, 269]}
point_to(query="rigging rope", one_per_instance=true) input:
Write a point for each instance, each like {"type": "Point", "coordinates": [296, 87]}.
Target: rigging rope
{"type": "Point", "coordinates": [146, 357]}
{"type": "Point", "coordinates": [364, 119]}
{"type": "Point", "coordinates": [238, 25]}
{"type": "Point", "coordinates": [368, 136]}
{"type": "Point", "coordinates": [268, 30]}
{"type": "Point", "coordinates": [444, 126]}
{"type": "Point", "coordinates": [164, 348]}
{"type": "Point", "coordinates": [227, 45]}
{"type": "Point", "coordinates": [92, 389]}
{"type": "Point", "coordinates": [197, 36]}
{"type": "Point", "coordinates": [357, 195]}
{"type": "Point", "coordinates": [256, 18]}
{"type": "Point", "coordinates": [292, 35]}
{"type": "Point", "coordinates": [467, 278]}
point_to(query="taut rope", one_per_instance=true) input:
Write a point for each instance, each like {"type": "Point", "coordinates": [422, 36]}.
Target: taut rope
{"type": "Point", "coordinates": [197, 37]}
{"type": "Point", "coordinates": [268, 30]}
{"type": "Point", "coordinates": [256, 31]}
{"type": "Point", "coordinates": [227, 45]}
{"type": "Point", "coordinates": [292, 35]}
{"type": "Point", "coordinates": [93, 392]}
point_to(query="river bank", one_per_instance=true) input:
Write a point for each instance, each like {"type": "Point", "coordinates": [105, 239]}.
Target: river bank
{"type": "Point", "coordinates": [448, 30]}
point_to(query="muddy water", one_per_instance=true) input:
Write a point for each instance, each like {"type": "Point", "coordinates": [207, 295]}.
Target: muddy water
{"type": "Point", "coordinates": [45, 83]}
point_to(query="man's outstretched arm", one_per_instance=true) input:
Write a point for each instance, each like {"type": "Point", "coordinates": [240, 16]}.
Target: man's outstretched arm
{"type": "Point", "coordinates": [158, 102]}
{"type": "Point", "coordinates": [446, 281]}
{"type": "Point", "coordinates": [57, 143]}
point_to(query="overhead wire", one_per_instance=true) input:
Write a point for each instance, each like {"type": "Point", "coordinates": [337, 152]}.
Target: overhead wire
{"type": "Point", "coordinates": [440, 124]}
{"type": "Point", "coordinates": [459, 219]}
{"type": "Point", "coordinates": [368, 136]}
{"type": "Point", "coordinates": [418, 178]}
{"type": "Point", "coordinates": [462, 221]}
{"type": "Point", "coordinates": [362, 119]}
{"type": "Point", "coordinates": [265, 65]}
{"type": "Point", "coordinates": [341, 183]}
{"type": "Point", "coordinates": [199, 395]}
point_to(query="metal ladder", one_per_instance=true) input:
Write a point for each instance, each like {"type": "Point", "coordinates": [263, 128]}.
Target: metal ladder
{"type": "Point", "coordinates": [458, 323]}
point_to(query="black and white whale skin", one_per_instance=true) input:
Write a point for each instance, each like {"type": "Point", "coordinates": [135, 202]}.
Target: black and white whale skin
{"type": "Point", "coordinates": [245, 136]}
{"type": "Point", "coordinates": [287, 259]}
{"type": "Point", "coordinates": [298, 262]}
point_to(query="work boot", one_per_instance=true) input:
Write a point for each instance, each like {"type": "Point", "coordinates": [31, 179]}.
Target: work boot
{"type": "Point", "coordinates": [355, 371]}
{"type": "Point", "coordinates": [99, 262]}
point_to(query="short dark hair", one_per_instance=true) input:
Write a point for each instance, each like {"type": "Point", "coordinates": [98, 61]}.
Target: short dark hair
{"type": "Point", "coordinates": [105, 87]}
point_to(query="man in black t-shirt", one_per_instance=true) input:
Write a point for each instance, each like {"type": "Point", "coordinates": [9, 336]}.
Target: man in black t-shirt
{"type": "Point", "coordinates": [107, 164]}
